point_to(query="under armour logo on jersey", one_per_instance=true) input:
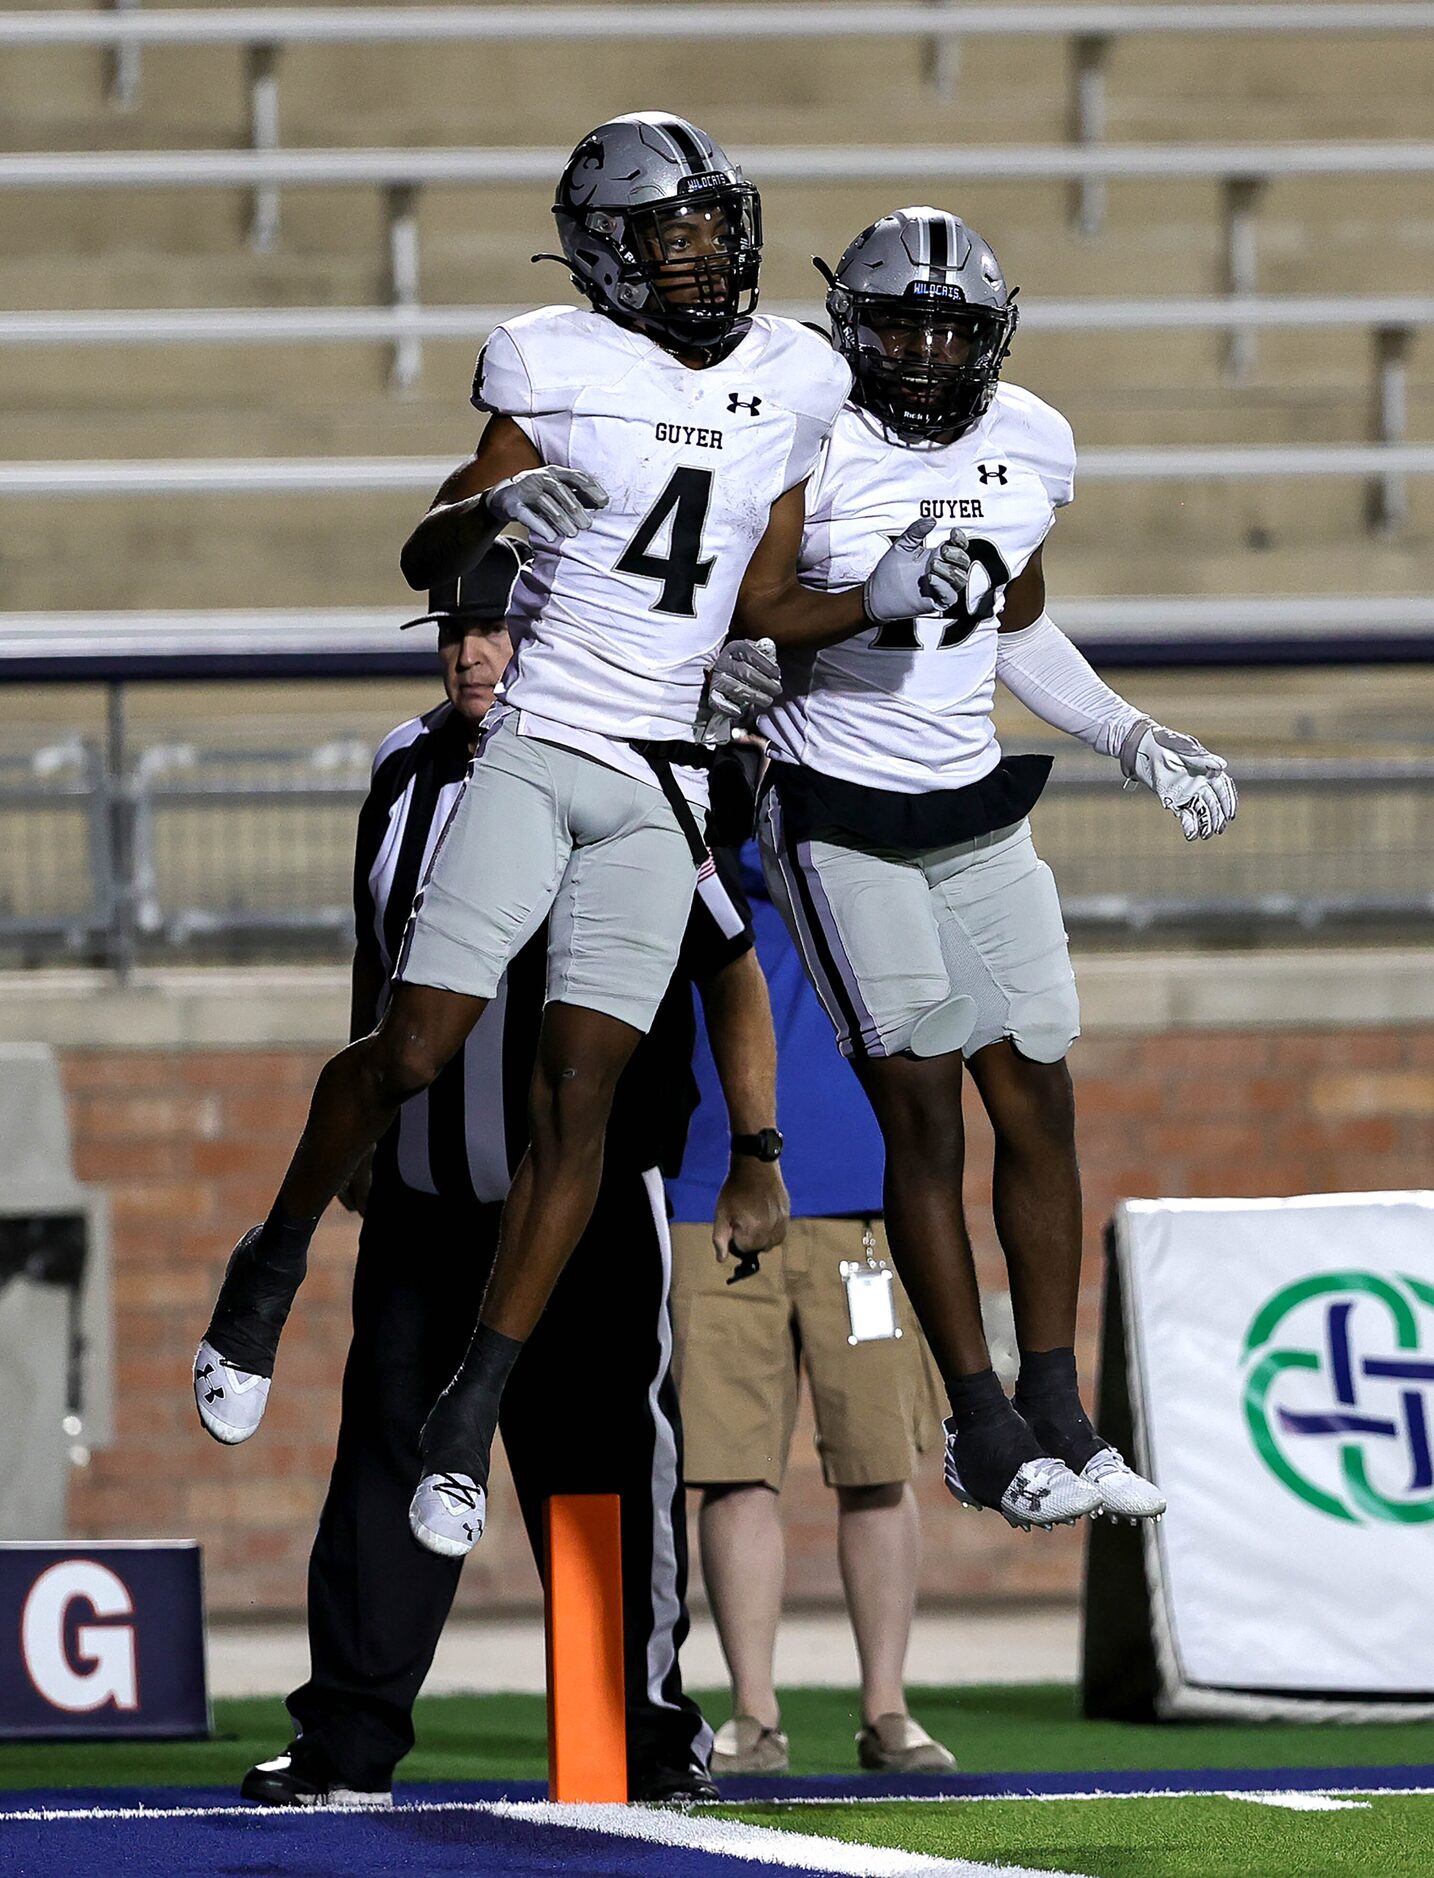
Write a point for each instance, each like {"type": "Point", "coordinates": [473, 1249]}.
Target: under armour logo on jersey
{"type": "Point", "coordinates": [736, 404]}
{"type": "Point", "coordinates": [992, 473]}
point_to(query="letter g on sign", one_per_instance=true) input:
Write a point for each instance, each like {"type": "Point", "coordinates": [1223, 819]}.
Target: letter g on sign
{"type": "Point", "coordinates": [106, 1670]}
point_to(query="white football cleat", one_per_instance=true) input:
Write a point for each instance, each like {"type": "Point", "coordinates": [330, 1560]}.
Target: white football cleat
{"type": "Point", "coordinates": [1124, 1494]}
{"type": "Point", "coordinates": [447, 1513]}
{"type": "Point", "coordinates": [231, 1402]}
{"type": "Point", "coordinates": [1044, 1493]}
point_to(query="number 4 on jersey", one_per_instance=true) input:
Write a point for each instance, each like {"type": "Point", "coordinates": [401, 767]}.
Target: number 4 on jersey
{"type": "Point", "coordinates": [681, 570]}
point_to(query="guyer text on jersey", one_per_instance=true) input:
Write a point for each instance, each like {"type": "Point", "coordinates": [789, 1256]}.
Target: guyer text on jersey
{"type": "Point", "coordinates": [691, 434]}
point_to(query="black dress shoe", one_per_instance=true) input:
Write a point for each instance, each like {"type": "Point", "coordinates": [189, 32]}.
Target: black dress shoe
{"type": "Point", "coordinates": [674, 1786]}
{"type": "Point", "coordinates": [299, 1778]}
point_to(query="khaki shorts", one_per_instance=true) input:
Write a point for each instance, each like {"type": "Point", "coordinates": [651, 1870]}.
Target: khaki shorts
{"type": "Point", "coordinates": [543, 832]}
{"type": "Point", "coordinates": [967, 941]}
{"type": "Point", "coordinates": [738, 1350]}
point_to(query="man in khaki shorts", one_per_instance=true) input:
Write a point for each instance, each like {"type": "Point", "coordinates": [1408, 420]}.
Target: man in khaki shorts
{"type": "Point", "coordinates": [739, 1353]}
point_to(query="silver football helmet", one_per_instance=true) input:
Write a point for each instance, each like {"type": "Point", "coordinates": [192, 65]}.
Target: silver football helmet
{"type": "Point", "coordinates": [661, 230]}
{"type": "Point", "coordinates": [921, 313]}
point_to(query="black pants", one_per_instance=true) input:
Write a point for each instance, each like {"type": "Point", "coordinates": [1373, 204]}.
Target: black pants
{"type": "Point", "coordinates": [590, 1408]}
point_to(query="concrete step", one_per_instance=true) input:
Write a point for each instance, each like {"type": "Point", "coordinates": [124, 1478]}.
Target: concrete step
{"type": "Point", "coordinates": [180, 248]}
{"type": "Point", "coordinates": [1327, 236]}
{"type": "Point", "coordinates": [236, 551]}
{"type": "Point", "coordinates": [275, 400]}
{"type": "Point", "coordinates": [1202, 87]}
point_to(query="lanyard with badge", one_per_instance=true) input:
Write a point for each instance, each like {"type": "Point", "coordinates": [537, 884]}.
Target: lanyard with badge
{"type": "Point", "coordinates": [870, 1298]}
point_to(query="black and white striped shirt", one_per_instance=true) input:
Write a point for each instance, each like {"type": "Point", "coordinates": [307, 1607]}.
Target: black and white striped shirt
{"type": "Point", "coordinates": [463, 1137]}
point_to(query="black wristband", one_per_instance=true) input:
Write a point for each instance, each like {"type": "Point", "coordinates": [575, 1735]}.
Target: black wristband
{"type": "Point", "coordinates": [765, 1145]}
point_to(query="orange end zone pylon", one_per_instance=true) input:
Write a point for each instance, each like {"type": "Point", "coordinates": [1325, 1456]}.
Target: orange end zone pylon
{"type": "Point", "coordinates": [587, 1735]}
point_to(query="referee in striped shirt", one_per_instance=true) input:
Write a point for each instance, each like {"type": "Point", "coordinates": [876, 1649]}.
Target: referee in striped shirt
{"type": "Point", "coordinates": [431, 1199]}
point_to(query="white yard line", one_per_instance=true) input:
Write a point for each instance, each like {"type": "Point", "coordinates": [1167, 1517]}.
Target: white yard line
{"type": "Point", "coordinates": [520, 1808]}
{"type": "Point", "coordinates": [761, 1844]}
{"type": "Point", "coordinates": [1276, 1797]}
{"type": "Point", "coordinates": [1302, 1802]}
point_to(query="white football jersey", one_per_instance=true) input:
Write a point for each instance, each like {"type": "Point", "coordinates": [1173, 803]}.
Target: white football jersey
{"type": "Point", "coordinates": [614, 630]}
{"type": "Point", "coordinates": [907, 706]}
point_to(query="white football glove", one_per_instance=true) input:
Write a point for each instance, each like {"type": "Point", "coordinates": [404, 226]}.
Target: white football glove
{"type": "Point", "coordinates": [552, 504]}
{"type": "Point", "coordinates": [1193, 783]}
{"type": "Point", "coordinates": [911, 579]}
{"type": "Point", "coordinates": [745, 681]}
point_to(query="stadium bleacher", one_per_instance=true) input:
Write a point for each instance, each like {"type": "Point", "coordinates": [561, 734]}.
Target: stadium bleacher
{"type": "Point", "coordinates": [1222, 261]}
{"type": "Point", "coordinates": [369, 91]}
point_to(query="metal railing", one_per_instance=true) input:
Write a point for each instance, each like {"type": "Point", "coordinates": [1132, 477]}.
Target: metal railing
{"type": "Point", "coordinates": [184, 852]}
{"type": "Point", "coordinates": [939, 25]}
{"type": "Point", "coordinates": [1243, 172]}
{"type": "Point", "coordinates": [1391, 320]}
{"type": "Point", "coordinates": [1385, 466]}
{"type": "Point", "coordinates": [1317, 842]}
{"type": "Point", "coordinates": [362, 642]}
{"type": "Point", "coordinates": [329, 475]}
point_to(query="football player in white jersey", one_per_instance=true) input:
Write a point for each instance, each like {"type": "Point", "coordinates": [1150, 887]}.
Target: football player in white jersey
{"type": "Point", "coordinates": [656, 445]}
{"type": "Point", "coordinates": [895, 839]}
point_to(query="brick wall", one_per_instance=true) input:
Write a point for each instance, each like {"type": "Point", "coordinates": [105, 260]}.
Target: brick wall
{"type": "Point", "coordinates": [190, 1144]}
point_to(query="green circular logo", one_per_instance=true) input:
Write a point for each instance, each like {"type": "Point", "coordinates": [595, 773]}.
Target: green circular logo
{"type": "Point", "coordinates": [1339, 1376]}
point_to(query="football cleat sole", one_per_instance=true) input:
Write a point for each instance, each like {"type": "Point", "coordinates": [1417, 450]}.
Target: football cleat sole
{"type": "Point", "coordinates": [447, 1514]}
{"type": "Point", "coordinates": [231, 1402]}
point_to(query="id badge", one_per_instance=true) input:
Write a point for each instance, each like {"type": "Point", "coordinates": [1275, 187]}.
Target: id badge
{"type": "Point", "coordinates": [870, 1303]}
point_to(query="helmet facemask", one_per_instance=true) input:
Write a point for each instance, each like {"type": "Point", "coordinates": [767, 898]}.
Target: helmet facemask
{"type": "Point", "coordinates": [925, 365]}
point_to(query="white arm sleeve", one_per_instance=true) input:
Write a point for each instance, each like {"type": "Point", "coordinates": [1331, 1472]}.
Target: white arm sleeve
{"type": "Point", "coordinates": [1041, 667]}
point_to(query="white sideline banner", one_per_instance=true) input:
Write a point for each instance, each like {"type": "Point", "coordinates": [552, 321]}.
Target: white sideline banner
{"type": "Point", "coordinates": [1280, 1366]}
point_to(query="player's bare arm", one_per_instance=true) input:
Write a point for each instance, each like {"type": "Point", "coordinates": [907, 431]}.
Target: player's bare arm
{"type": "Point", "coordinates": [505, 480]}
{"type": "Point", "coordinates": [912, 577]}
{"type": "Point", "coordinates": [366, 989]}
{"type": "Point", "coordinates": [1025, 596]}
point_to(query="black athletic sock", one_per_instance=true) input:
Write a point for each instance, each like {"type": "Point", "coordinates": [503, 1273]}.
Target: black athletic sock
{"type": "Point", "coordinates": [1048, 1395]}
{"type": "Point", "coordinates": [991, 1441]}
{"type": "Point", "coordinates": [457, 1438]}
{"type": "Point", "coordinates": [261, 1279]}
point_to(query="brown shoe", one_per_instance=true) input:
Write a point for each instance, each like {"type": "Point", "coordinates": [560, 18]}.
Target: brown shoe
{"type": "Point", "coordinates": [744, 1746]}
{"type": "Point", "coordinates": [898, 1744]}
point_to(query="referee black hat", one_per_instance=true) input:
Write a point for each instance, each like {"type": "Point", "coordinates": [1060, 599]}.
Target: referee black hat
{"type": "Point", "coordinates": [481, 596]}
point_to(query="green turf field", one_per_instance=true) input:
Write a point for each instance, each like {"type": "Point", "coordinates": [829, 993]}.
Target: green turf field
{"type": "Point", "coordinates": [998, 1729]}
{"type": "Point", "coordinates": [1181, 1836]}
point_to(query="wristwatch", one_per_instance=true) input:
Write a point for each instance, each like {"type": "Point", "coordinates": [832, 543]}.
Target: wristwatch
{"type": "Point", "coordinates": [765, 1145]}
